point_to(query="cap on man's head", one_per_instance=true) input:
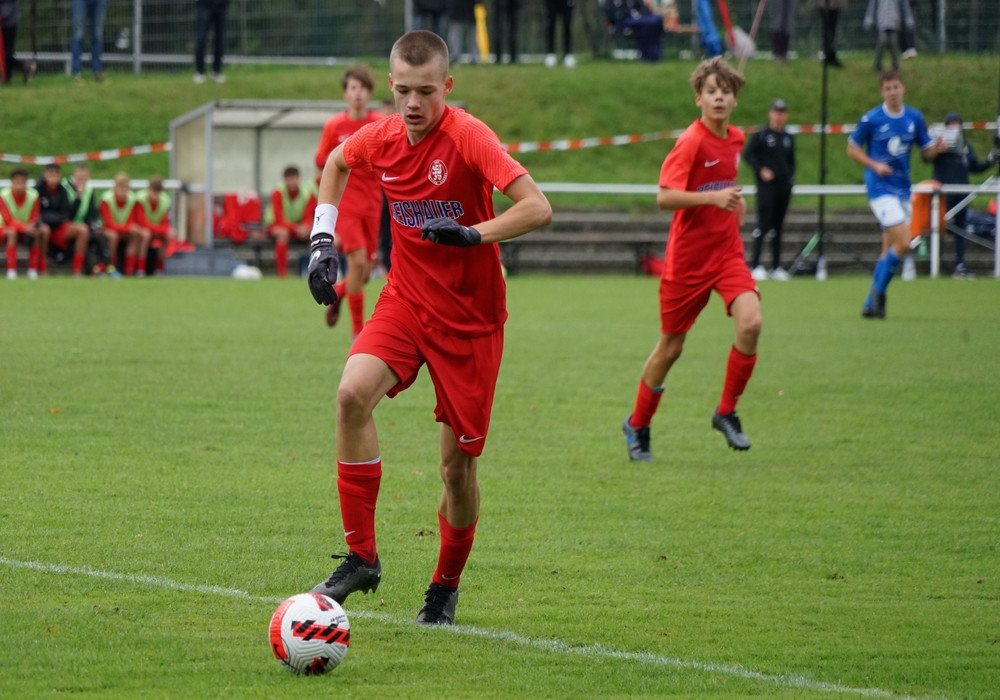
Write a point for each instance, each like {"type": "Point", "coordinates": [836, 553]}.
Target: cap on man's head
{"type": "Point", "coordinates": [952, 117]}
{"type": "Point", "coordinates": [779, 105]}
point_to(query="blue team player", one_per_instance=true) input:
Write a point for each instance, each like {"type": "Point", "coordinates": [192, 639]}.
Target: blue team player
{"type": "Point", "coordinates": [881, 142]}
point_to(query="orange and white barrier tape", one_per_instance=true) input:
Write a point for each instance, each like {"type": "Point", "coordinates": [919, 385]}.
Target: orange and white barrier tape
{"type": "Point", "coordinates": [93, 155]}
{"type": "Point", "coordinates": [522, 147]}
{"type": "Point", "coordinates": [575, 144]}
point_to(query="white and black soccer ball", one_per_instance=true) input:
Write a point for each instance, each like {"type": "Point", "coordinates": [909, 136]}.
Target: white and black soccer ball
{"type": "Point", "coordinates": [309, 634]}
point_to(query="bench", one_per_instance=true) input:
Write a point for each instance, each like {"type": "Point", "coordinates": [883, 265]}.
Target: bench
{"type": "Point", "coordinates": [583, 251]}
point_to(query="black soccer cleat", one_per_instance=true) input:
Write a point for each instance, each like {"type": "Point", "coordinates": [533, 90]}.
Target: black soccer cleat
{"type": "Point", "coordinates": [355, 574]}
{"type": "Point", "coordinates": [439, 605]}
{"type": "Point", "coordinates": [637, 440]}
{"type": "Point", "coordinates": [877, 309]}
{"type": "Point", "coordinates": [729, 425]}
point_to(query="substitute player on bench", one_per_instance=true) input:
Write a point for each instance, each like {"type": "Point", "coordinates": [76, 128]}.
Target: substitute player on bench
{"type": "Point", "coordinates": [443, 304]}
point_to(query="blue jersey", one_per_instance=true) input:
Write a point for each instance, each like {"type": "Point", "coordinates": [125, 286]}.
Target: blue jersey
{"type": "Point", "coordinates": [889, 139]}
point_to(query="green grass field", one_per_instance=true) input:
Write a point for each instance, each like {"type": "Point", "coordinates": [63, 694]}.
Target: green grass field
{"type": "Point", "coordinates": [168, 457]}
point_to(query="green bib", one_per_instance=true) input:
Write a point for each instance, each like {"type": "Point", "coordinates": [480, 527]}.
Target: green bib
{"type": "Point", "coordinates": [154, 217]}
{"type": "Point", "coordinates": [22, 212]}
{"type": "Point", "coordinates": [293, 210]}
{"type": "Point", "coordinates": [119, 214]}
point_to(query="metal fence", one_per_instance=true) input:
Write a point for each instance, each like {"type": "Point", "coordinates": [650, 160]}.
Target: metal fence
{"type": "Point", "coordinates": [144, 35]}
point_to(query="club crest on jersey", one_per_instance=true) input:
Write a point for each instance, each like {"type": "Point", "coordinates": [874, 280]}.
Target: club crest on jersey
{"type": "Point", "coordinates": [437, 173]}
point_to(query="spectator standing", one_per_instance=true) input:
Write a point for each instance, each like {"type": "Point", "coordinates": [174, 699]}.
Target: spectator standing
{"type": "Point", "coordinates": [559, 12]}
{"type": "Point", "coordinates": [881, 142]}
{"type": "Point", "coordinates": [214, 15]}
{"type": "Point", "coordinates": [288, 216]}
{"type": "Point", "coordinates": [704, 253]}
{"type": "Point", "coordinates": [443, 304]}
{"type": "Point", "coordinates": [908, 34]}
{"type": "Point", "coordinates": [829, 14]}
{"type": "Point", "coordinates": [506, 25]}
{"type": "Point", "coordinates": [782, 16]}
{"type": "Point", "coordinates": [361, 213]}
{"type": "Point", "coordinates": [10, 20]}
{"type": "Point", "coordinates": [462, 30]}
{"type": "Point", "coordinates": [952, 166]}
{"type": "Point", "coordinates": [56, 208]}
{"type": "Point", "coordinates": [888, 17]}
{"type": "Point", "coordinates": [119, 221]}
{"type": "Point", "coordinates": [88, 12]}
{"type": "Point", "coordinates": [19, 211]}
{"type": "Point", "coordinates": [430, 15]}
{"type": "Point", "coordinates": [152, 207]}
{"type": "Point", "coordinates": [770, 152]}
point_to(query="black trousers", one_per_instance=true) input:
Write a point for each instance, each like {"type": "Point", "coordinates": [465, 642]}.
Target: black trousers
{"type": "Point", "coordinates": [216, 17]}
{"type": "Point", "coordinates": [772, 205]}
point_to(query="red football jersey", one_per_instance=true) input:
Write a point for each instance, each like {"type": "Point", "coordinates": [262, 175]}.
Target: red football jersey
{"type": "Point", "coordinates": [702, 236]}
{"type": "Point", "coordinates": [451, 172]}
{"type": "Point", "coordinates": [362, 196]}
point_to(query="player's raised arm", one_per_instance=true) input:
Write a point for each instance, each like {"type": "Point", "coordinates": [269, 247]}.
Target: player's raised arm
{"type": "Point", "coordinates": [670, 198]}
{"type": "Point", "coordinates": [531, 210]}
{"type": "Point", "coordinates": [333, 179]}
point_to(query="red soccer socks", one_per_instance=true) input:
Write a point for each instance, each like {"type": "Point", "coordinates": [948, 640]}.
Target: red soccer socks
{"type": "Point", "coordinates": [358, 486]}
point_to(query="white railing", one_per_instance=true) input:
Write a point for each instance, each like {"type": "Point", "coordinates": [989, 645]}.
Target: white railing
{"type": "Point", "coordinates": [990, 186]}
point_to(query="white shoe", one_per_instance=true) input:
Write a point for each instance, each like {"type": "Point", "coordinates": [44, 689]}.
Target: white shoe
{"type": "Point", "coordinates": [909, 53]}
{"type": "Point", "coordinates": [778, 275]}
{"type": "Point", "coordinates": [199, 78]}
{"type": "Point", "coordinates": [759, 273]}
{"type": "Point", "coordinates": [12, 274]}
{"type": "Point", "coordinates": [569, 61]}
{"type": "Point", "coordinates": [550, 60]}
{"type": "Point", "coordinates": [909, 269]}
{"type": "Point", "coordinates": [32, 274]}
{"type": "Point", "coordinates": [219, 78]}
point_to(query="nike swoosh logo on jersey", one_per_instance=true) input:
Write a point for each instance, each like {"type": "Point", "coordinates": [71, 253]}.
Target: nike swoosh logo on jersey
{"type": "Point", "coordinates": [710, 163]}
{"type": "Point", "coordinates": [465, 441]}
{"type": "Point", "coordinates": [389, 178]}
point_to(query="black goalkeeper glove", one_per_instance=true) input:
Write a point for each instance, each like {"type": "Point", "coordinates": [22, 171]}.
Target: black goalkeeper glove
{"type": "Point", "coordinates": [323, 267]}
{"type": "Point", "coordinates": [449, 232]}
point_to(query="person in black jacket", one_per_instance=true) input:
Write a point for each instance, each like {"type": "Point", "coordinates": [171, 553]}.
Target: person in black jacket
{"type": "Point", "coordinates": [952, 167]}
{"type": "Point", "coordinates": [770, 151]}
{"type": "Point", "coordinates": [56, 209]}
{"type": "Point", "coordinates": [86, 211]}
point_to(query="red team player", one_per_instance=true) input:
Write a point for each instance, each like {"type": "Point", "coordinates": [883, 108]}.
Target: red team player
{"type": "Point", "coordinates": [152, 208]}
{"type": "Point", "coordinates": [443, 304]}
{"type": "Point", "coordinates": [288, 216]}
{"type": "Point", "coordinates": [20, 220]}
{"type": "Point", "coordinates": [361, 213]}
{"type": "Point", "coordinates": [121, 223]}
{"type": "Point", "coordinates": [704, 253]}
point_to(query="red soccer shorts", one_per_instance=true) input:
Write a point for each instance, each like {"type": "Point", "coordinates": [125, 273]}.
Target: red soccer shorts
{"type": "Point", "coordinates": [58, 236]}
{"type": "Point", "coordinates": [463, 370]}
{"type": "Point", "coordinates": [681, 303]}
{"type": "Point", "coordinates": [356, 231]}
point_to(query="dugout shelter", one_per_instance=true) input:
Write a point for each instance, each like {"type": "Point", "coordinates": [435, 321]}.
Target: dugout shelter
{"type": "Point", "coordinates": [229, 146]}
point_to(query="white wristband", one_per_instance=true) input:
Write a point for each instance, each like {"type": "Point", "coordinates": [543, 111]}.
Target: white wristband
{"type": "Point", "coordinates": [325, 221]}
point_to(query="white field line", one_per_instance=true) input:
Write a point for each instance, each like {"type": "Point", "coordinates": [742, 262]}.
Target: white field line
{"type": "Point", "coordinates": [550, 645]}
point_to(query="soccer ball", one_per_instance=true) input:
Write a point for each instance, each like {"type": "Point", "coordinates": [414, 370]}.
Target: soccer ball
{"type": "Point", "coordinates": [309, 634]}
